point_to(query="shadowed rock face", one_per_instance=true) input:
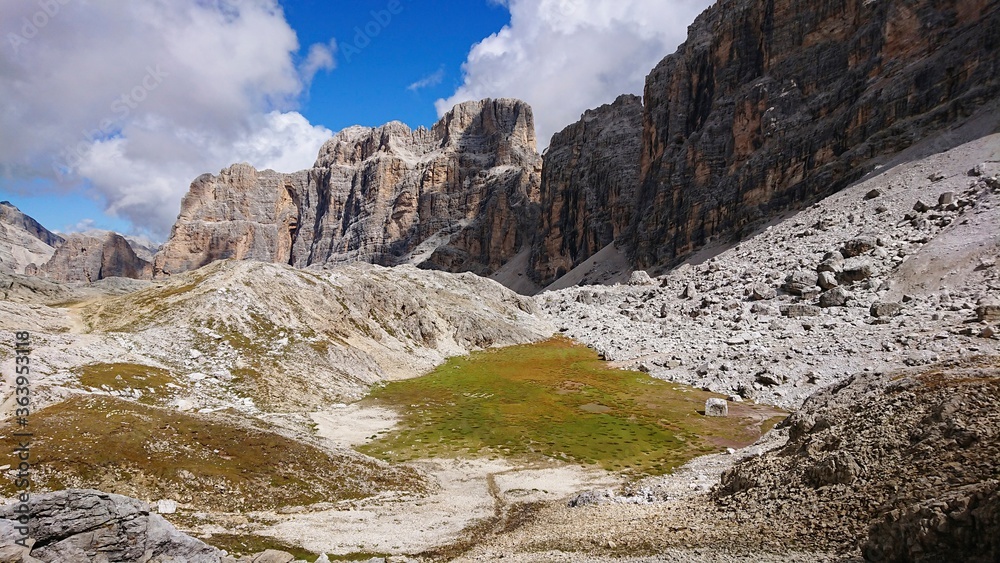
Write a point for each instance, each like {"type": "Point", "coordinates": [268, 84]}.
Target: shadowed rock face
{"type": "Point", "coordinates": [589, 180]}
{"type": "Point", "coordinates": [773, 103]}
{"type": "Point", "coordinates": [83, 258]}
{"type": "Point", "coordinates": [461, 196]}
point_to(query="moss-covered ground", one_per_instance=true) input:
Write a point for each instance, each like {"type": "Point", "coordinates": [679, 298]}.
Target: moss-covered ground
{"type": "Point", "coordinates": [155, 384]}
{"type": "Point", "coordinates": [557, 400]}
{"type": "Point", "coordinates": [211, 462]}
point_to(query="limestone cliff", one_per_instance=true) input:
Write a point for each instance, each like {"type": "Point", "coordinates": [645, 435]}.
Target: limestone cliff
{"type": "Point", "coordinates": [242, 213]}
{"type": "Point", "coordinates": [24, 242]}
{"type": "Point", "coordinates": [461, 196]}
{"type": "Point", "coordinates": [589, 179]}
{"type": "Point", "coordinates": [770, 104]}
{"type": "Point", "coordinates": [85, 258]}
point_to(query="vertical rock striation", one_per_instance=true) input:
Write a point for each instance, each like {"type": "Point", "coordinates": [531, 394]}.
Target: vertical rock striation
{"type": "Point", "coordinates": [461, 196]}
{"type": "Point", "coordinates": [770, 104]}
{"type": "Point", "coordinates": [242, 213]}
{"type": "Point", "coordinates": [589, 179]}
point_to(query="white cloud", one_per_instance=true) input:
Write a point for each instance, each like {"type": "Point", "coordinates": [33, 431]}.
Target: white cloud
{"type": "Point", "coordinates": [321, 57]}
{"type": "Point", "coordinates": [432, 79]}
{"type": "Point", "coordinates": [566, 56]}
{"type": "Point", "coordinates": [137, 99]}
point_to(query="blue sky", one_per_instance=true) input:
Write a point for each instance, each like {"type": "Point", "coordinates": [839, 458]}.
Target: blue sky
{"type": "Point", "coordinates": [108, 113]}
{"type": "Point", "coordinates": [370, 87]}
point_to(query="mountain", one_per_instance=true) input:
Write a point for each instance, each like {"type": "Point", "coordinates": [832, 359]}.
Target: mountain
{"type": "Point", "coordinates": [92, 257]}
{"type": "Point", "coordinates": [461, 196]}
{"type": "Point", "coordinates": [767, 107]}
{"type": "Point", "coordinates": [23, 240]}
{"type": "Point", "coordinates": [26, 247]}
{"type": "Point", "coordinates": [771, 104]}
{"type": "Point", "coordinates": [590, 176]}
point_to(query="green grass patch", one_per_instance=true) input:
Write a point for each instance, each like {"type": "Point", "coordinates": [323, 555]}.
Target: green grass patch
{"type": "Point", "coordinates": [557, 400]}
{"type": "Point", "coordinates": [215, 462]}
{"type": "Point", "coordinates": [245, 545]}
{"type": "Point", "coordinates": [152, 381]}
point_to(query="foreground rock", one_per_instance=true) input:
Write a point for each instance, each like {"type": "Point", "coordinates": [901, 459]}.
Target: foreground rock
{"type": "Point", "coordinates": [77, 526]}
{"type": "Point", "coordinates": [901, 465]}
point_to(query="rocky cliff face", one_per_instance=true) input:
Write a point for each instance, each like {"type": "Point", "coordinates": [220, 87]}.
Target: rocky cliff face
{"type": "Point", "coordinates": [772, 103]}
{"type": "Point", "coordinates": [24, 242]}
{"type": "Point", "coordinates": [242, 213]}
{"type": "Point", "coordinates": [589, 179]}
{"type": "Point", "coordinates": [461, 196]}
{"type": "Point", "coordinates": [85, 258]}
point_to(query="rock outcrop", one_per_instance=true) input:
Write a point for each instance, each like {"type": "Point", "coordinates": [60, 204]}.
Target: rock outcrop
{"type": "Point", "coordinates": [24, 242]}
{"type": "Point", "coordinates": [900, 464]}
{"type": "Point", "coordinates": [589, 179]}
{"type": "Point", "coordinates": [85, 258]}
{"type": "Point", "coordinates": [84, 525]}
{"type": "Point", "coordinates": [769, 105]}
{"type": "Point", "coordinates": [461, 196]}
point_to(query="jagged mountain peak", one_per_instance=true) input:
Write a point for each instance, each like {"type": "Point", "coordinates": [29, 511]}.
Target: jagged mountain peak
{"type": "Point", "coordinates": [459, 196]}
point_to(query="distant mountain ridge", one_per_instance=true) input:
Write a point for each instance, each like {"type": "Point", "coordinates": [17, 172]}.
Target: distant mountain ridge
{"type": "Point", "coordinates": [27, 247]}
{"type": "Point", "coordinates": [24, 242]}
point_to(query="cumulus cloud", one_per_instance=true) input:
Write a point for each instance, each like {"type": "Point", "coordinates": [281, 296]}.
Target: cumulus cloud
{"type": "Point", "coordinates": [432, 79]}
{"type": "Point", "coordinates": [134, 100]}
{"type": "Point", "coordinates": [566, 56]}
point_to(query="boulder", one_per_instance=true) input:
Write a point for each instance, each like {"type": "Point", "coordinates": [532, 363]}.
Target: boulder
{"type": "Point", "coordinates": [884, 310]}
{"type": "Point", "coordinates": [640, 277]}
{"type": "Point", "coordinates": [839, 468]}
{"type": "Point", "coordinates": [77, 525]}
{"type": "Point", "coordinates": [857, 247]}
{"type": "Point", "coordinates": [166, 506]}
{"type": "Point", "coordinates": [836, 297]}
{"type": "Point", "coordinates": [690, 291]}
{"type": "Point", "coordinates": [716, 407]}
{"type": "Point", "coordinates": [800, 282]}
{"type": "Point", "coordinates": [854, 270]}
{"type": "Point", "coordinates": [761, 292]}
{"type": "Point", "coordinates": [988, 312]}
{"type": "Point", "coordinates": [800, 310]}
{"type": "Point", "coordinates": [827, 280]}
{"type": "Point", "coordinates": [273, 556]}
